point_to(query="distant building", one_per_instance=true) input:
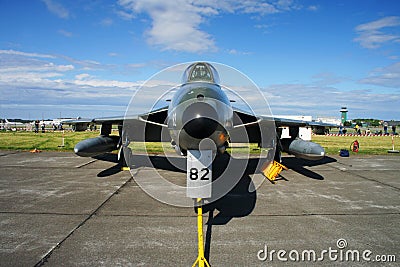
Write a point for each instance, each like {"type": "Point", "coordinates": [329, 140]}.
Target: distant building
{"type": "Point", "coordinates": [343, 116]}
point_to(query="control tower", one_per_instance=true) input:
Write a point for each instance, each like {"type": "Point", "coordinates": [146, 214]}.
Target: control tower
{"type": "Point", "coordinates": [343, 112]}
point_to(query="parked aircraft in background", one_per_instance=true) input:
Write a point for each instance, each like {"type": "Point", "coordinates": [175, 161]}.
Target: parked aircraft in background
{"type": "Point", "coordinates": [10, 125]}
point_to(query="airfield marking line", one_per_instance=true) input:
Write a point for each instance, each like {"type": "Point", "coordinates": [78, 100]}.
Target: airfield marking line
{"type": "Point", "coordinates": [255, 215]}
{"type": "Point", "coordinates": [44, 259]}
{"type": "Point", "coordinates": [42, 213]}
{"type": "Point", "coordinates": [85, 164]}
{"type": "Point", "coordinates": [194, 215]}
{"type": "Point", "coordinates": [327, 214]}
{"type": "Point", "coordinates": [36, 167]}
{"type": "Point", "coordinates": [379, 182]}
{"type": "Point", "coordinates": [354, 172]}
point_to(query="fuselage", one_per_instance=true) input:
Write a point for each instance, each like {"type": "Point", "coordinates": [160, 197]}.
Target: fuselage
{"type": "Point", "coordinates": [199, 110]}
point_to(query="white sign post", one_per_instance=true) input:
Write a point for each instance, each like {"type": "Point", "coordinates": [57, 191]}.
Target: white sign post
{"type": "Point", "coordinates": [199, 173]}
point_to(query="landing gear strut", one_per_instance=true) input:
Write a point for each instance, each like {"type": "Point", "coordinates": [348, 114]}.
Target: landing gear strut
{"type": "Point", "coordinates": [201, 260]}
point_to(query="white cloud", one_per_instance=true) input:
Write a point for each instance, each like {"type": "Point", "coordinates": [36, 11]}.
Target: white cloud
{"type": "Point", "coordinates": [85, 64]}
{"type": "Point", "coordinates": [373, 34]}
{"type": "Point", "coordinates": [65, 33]}
{"type": "Point", "coordinates": [49, 67]}
{"type": "Point", "coordinates": [27, 75]}
{"type": "Point", "coordinates": [328, 78]}
{"type": "Point", "coordinates": [32, 82]}
{"type": "Point", "coordinates": [262, 8]}
{"type": "Point", "coordinates": [18, 63]}
{"type": "Point", "coordinates": [379, 24]}
{"type": "Point", "coordinates": [287, 5]}
{"type": "Point", "coordinates": [387, 76]}
{"type": "Point", "coordinates": [303, 99]}
{"type": "Point", "coordinates": [176, 25]}
{"type": "Point", "coordinates": [236, 52]}
{"type": "Point", "coordinates": [107, 22]}
{"type": "Point", "coordinates": [23, 68]}
{"type": "Point", "coordinates": [57, 9]}
{"type": "Point", "coordinates": [19, 53]}
{"type": "Point", "coordinates": [82, 76]}
{"type": "Point", "coordinates": [313, 8]}
{"type": "Point", "coordinates": [125, 15]}
{"type": "Point", "coordinates": [83, 81]}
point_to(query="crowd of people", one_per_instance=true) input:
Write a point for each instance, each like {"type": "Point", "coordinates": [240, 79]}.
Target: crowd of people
{"type": "Point", "coordinates": [357, 130]}
{"type": "Point", "coordinates": [42, 126]}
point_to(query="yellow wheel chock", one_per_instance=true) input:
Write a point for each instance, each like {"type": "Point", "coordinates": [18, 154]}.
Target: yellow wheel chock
{"type": "Point", "coordinates": [273, 170]}
{"type": "Point", "coordinates": [201, 260]}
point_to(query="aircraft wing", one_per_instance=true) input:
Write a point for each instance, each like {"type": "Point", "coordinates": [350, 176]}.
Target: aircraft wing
{"type": "Point", "coordinates": [156, 117]}
{"type": "Point", "coordinates": [77, 121]}
{"type": "Point", "coordinates": [300, 123]}
{"type": "Point", "coordinates": [153, 122]}
{"type": "Point", "coordinates": [243, 118]}
{"type": "Point", "coordinates": [146, 127]}
{"type": "Point", "coordinates": [317, 123]}
{"type": "Point", "coordinates": [111, 120]}
{"type": "Point", "coordinates": [152, 127]}
{"type": "Point", "coordinates": [78, 124]}
{"type": "Point", "coordinates": [251, 128]}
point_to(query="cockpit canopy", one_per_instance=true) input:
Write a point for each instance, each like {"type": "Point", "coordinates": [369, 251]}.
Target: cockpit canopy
{"type": "Point", "coordinates": [200, 72]}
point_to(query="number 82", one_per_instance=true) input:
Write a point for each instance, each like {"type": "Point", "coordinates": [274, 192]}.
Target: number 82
{"type": "Point", "coordinates": [194, 174]}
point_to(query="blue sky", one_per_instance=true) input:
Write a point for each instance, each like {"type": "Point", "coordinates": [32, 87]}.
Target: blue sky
{"type": "Point", "coordinates": [86, 58]}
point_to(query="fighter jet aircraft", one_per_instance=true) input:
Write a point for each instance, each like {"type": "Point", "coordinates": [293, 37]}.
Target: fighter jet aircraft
{"type": "Point", "coordinates": [200, 121]}
{"type": "Point", "coordinates": [198, 110]}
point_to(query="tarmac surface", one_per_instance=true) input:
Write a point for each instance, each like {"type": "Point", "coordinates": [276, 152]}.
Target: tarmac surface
{"type": "Point", "coordinates": [57, 209]}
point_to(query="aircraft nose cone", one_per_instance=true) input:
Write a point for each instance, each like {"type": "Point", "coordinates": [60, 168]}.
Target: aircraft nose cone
{"type": "Point", "coordinates": [200, 120]}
